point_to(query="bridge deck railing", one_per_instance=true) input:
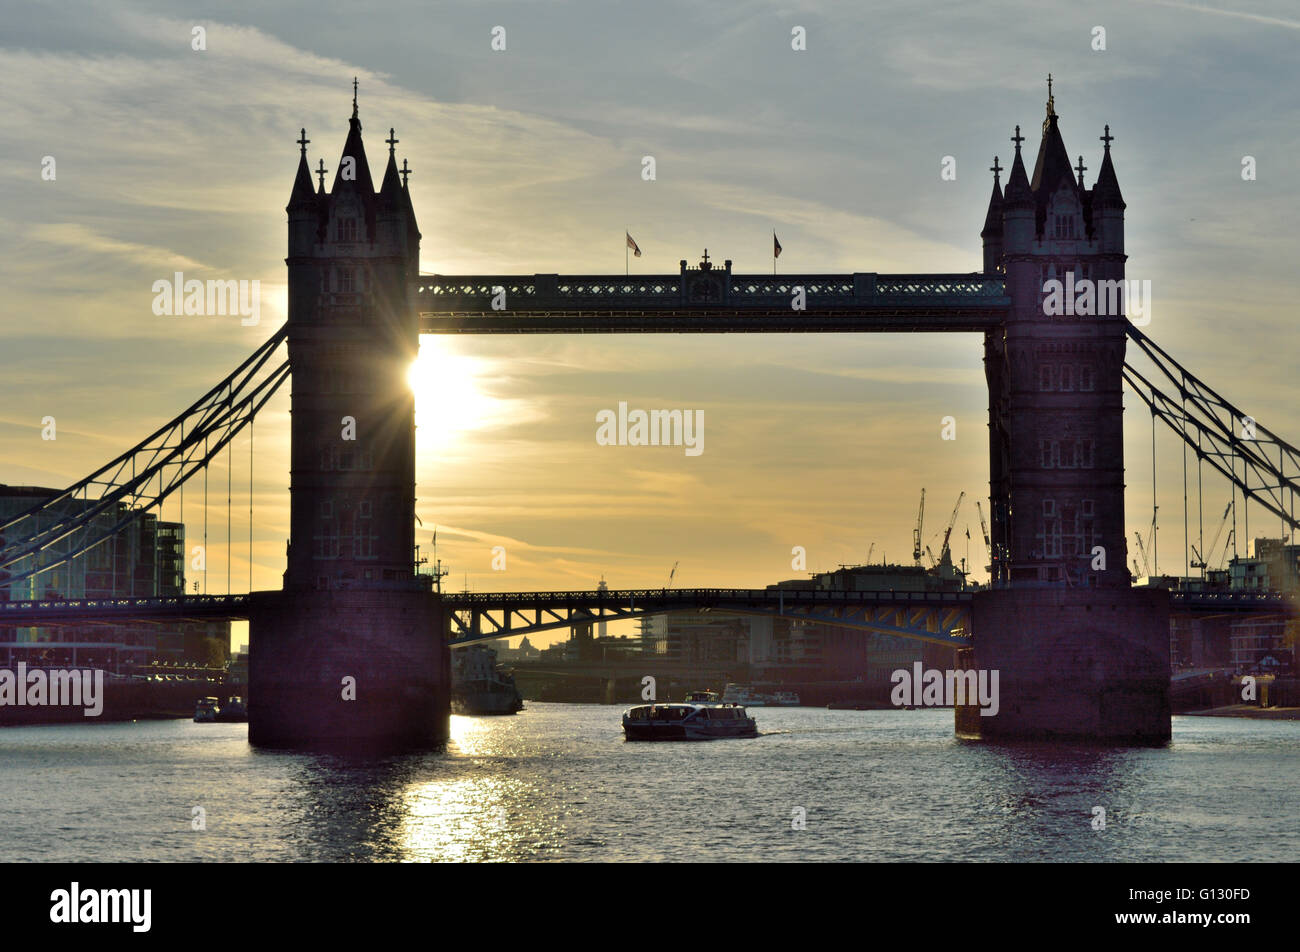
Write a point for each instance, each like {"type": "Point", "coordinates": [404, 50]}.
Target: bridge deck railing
{"type": "Point", "coordinates": [540, 293]}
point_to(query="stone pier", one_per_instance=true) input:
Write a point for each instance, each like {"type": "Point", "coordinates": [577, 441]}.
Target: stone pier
{"type": "Point", "coordinates": [1074, 664]}
{"type": "Point", "coordinates": [305, 648]}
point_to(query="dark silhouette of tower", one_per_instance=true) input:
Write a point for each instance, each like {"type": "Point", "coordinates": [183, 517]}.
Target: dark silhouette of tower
{"type": "Point", "coordinates": [352, 651]}
{"type": "Point", "coordinates": [1086, 655]}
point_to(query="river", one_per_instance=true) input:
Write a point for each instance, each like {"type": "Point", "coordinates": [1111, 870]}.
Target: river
{"type": "Point", "coordinates": [558, 782]}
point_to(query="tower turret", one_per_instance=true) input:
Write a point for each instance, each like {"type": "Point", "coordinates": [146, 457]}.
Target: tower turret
{"type": "Point", "coordinates": [992, 232]}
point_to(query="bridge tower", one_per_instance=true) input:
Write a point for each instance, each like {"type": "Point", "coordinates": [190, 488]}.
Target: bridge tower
{"type": "Point", "coordinates": [1080, 653]}
{"type": "Point", "coordinates": [350, 653]}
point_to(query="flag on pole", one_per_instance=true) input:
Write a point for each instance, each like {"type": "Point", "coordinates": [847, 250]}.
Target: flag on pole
{"type": "Point", "coordinates": [776, 246]}
{"type": "Point", "coordinates": [632, 244]}
{"type": "Point", "coordinates": [968, 532]}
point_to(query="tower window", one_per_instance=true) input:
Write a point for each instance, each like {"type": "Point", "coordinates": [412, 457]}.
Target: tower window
{"type": "Point", "coordinates": [1085, 377]}
{"type": "Point", "coordinates": [346, 280]}
{"type": "Point", "coordinates": [1048, 450]}
{"type": "Point", "coordinates": [1067, 377]}
{"type": "Point", "coordinates": [1085, 508]}
{"type": "Point", "coordinates": [347, 229]}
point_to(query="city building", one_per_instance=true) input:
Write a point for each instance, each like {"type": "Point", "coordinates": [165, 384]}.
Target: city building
{"type": "Point", "coordinates": [144, 559]}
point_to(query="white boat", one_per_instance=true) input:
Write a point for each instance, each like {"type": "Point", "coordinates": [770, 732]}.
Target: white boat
{"type": "Point", "coordinates": [744, 694]}
{"type": "Point", "coordinates": [785, 699]}
{"type": "Point", "coordinates": [688, 720]}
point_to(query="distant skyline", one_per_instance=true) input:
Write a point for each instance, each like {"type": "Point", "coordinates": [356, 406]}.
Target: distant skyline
{"type": "Point", "coordinates": [530, 160]}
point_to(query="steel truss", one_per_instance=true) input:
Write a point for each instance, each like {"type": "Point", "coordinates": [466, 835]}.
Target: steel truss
{"type": "Point", "coordinates": [100, 506]}
{"type": "Point", "coordinates": [941, 617]}
{"type": "Point", "coordinates": [1219, 432]}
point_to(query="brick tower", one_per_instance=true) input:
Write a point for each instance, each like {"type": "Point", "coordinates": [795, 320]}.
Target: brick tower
{"type": "Point", "coordinates": [1089, 654]}
{"type": "Point", "coordinates": [352, 606]}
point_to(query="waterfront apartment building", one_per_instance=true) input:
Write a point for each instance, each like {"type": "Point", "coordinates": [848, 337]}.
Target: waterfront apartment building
{"type": "Point", "coordinates": [144, 559]}
{"type": "Point", "coordinates": [1241, 643]}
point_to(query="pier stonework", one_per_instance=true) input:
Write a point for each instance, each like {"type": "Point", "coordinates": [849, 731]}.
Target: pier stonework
{"type": "Point", "coordinates": [352, 606]}
{"type": "Point", "coordinates": [1074, 664]}
{"type": "Point", "coordinates": [1080, 652]}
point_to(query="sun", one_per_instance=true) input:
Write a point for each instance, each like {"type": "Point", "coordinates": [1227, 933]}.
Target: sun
{"type": "Point", "coordinates": [450, 399]}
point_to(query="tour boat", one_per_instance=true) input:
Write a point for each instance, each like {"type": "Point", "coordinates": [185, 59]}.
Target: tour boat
{"type": "Point", "coordinates": [689, 720]}
{"type": "Point", "coordinates": [785, 699]}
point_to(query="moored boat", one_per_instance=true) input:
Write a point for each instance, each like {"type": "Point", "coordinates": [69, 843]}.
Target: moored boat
{"type": "Point", "coordinates": [205, 711]}
{"type": "Point", "coordinates": [232, 710]}
{"type": "Point", "coordinates": [479, 686]}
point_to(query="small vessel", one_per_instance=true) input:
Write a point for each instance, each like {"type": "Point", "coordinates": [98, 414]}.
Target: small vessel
{"type": "Point", "coordinates": [205, 712]}
{"type": "Point", "coordinates": [232, 710]}
{"type": "Point", "coordinates": [478, 686]}
{"type": "Point", "coordinates": [744, 694]}
{"type": "Point", "coordinates": [688, 720]}
{"type": "Point", "coordinates": [785, 699]}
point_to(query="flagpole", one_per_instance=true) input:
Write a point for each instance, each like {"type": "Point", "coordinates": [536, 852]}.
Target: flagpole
{"type": "Point", "coordinates": [625, 250]}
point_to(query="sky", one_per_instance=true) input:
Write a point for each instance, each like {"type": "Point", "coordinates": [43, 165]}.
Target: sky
{"type": "Point", "coordinates": [529, 159]}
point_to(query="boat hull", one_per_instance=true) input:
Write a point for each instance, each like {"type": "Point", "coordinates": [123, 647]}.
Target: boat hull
{"type": "Point", "coordinates": [665, 730]}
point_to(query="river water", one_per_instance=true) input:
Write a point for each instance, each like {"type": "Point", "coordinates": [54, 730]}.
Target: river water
{"type": "Point", "coordinates": [558, 782]}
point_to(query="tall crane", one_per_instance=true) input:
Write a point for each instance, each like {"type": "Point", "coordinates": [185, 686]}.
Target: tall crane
{"type": "Point", "coordinates": [670, 576]}
{"type": "Point", "coordinates": [869, 551]}
{"type": "Point", "coordinates": [1142, 551]}
{"type": "Point", "coordinates": [916, 533]}
{"type": "Point", "coordinates": [944, 552]}
{"type": "Point", "coordinates": [1200, 562]}
{"type": "Point", "coordinates": [984, 527]}
{"type": "Point", "coordinates": [1227, 544]}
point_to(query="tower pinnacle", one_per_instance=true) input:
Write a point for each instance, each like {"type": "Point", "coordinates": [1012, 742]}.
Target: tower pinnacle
{"type": "Point", "coordinates": [354, 97]}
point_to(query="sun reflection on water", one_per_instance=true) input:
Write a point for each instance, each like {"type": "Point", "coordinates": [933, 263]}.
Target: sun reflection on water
{"type": "Point", "coordinates": [469, 818]}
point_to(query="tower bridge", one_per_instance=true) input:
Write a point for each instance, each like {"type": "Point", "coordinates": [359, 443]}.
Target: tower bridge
{"type": "Point", "coordinates": [1081, 653]}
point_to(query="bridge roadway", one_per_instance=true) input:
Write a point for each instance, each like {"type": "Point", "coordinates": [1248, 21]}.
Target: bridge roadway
{"type": "Point", "coordinates": [941, 617]}
{"type": "Point", "coordinates": [708, 301]}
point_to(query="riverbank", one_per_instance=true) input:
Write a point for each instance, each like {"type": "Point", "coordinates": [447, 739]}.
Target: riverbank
{"type": "Point", "coordinates": [1251, 711]}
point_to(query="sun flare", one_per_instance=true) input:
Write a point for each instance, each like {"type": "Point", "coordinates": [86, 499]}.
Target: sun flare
{"type": "Point", "coordinates": [449, 394]}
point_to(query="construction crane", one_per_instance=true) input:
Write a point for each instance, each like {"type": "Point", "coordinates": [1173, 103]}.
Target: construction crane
{"type": "Point", "coordinates": [1227, 544]}
{"type": "Point", "coordinates": [1142, 551]}
{"type": "Point", "coordinates": [869, 551]}
{"type": "Point", "coordinates": [984, 527]}
{"type": "Point", "coordinates": [670, 576]}
{"type": "Point", "coordinates": [934, 563]}
{"type": "Point", "coordinates": [1199, 563]}
{"type": "Point", "coordinates": [944, 552]}
{"type": "Point", "coordinates": [916, 533]}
